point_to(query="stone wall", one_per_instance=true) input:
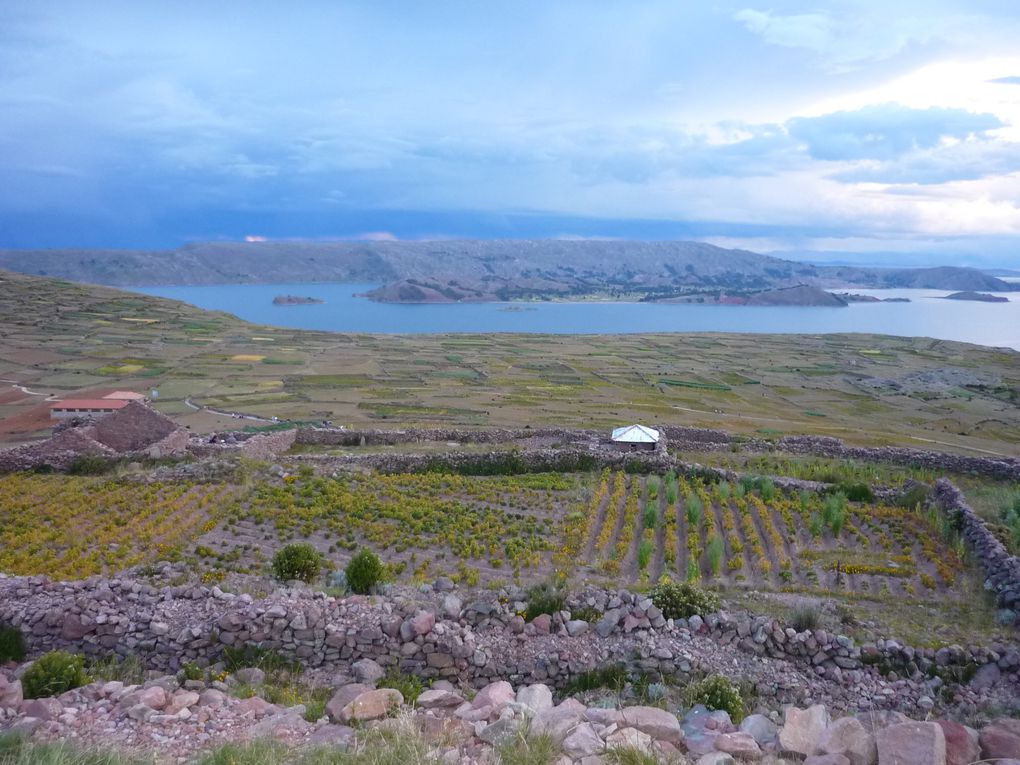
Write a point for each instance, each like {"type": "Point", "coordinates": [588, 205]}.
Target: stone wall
{"type": "Point", "coordinates": [1002, 570]}
{"type": "Point", "coordinates": [473, 643]}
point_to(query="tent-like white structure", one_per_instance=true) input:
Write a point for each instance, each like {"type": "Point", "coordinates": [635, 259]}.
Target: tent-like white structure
{"type": "Point", "coordinates": [636, 436]}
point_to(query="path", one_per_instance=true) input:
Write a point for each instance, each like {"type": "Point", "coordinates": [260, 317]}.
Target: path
{"type": "Point", "coordinates": [28, 392]}
{"type": "Point", "coordinates": [237, 415]}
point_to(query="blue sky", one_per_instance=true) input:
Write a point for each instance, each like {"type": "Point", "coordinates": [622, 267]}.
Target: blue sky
{"type": "Point", "coordinates": [845, 127]}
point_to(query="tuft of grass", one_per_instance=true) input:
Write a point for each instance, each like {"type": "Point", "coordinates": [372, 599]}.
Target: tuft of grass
{"type": "Point", "coordinates": [128, 670]}
{"type": "Point", "coordinates": [18, 750]}
{"type": "Point", "coordinates": [410, 686]}
{"type": "Point", "coordinates": [526, 749]}
{"type": "Point", "coordinates": [805, 617]}
{"type": "Point", "coordinates": [12, 644]}
{"type": "Point", "coordinates": [629, 755]}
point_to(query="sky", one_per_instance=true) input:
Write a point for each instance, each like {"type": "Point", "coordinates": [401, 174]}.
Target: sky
{"type": "Point", "coordinates": [855, 129]}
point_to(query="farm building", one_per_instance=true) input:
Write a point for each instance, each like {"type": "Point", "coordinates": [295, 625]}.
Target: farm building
{"type": "Point", "coordinates": [125, 395]}
{"type": "Point", "coordinates": [85, 407]}
{"type": "Point", "coordinates": [636, 437]}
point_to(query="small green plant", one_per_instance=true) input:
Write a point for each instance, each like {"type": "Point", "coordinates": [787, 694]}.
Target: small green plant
{"type": "Point", "coordinates": [766, 488]}
{"type": "Point", "coordinates": [815, 525]}
{"type": "Point", "coordinates": [805, 617]}
{"type": "Point", "coordinates": [52, 674]}
{"type": "Point", "coordinates": [526, 749]}
{"type": "Point", "coordinates": [547, 597]}
{"type": "Point", "coordinates": [364, 572]}
{"type": "Point", "coordinates": [629, 755]}
{"type": "Point", "coordinates": [128, 670]}
{"type": "Point", "coordinates": [651, 518]}
{"type": "Point", "coordinates": [410, 686]}
{"type": "Point", "coordinates": [716, 692]}
{"type": "Point", "coordinates": [266, 659]}
{"type": "Point", "coordinates": [680, 600]}
{"type": "Point", "coordinates": [672, 488]}
{"type": "Point", "coordinates": [857, 492]}
{"type": "Point", "coordinates": [297, 561]}
{"type": "Point", "coordinates": [644, 554]}
{"type": "Point", "coordinates": [693, 571]}
{"type": "Point", "coordinates": [12, 644]}
{"type": "Point", "coordinates": [694, 510]}
{"type": "Point", "coordinates": [612, 677]}
{"type": "Point", "coordinates": [90, 464]}
{"type": "Point", "coordinates": [192, 671]}
{"type": "Point", "coordinates": [653, 487]}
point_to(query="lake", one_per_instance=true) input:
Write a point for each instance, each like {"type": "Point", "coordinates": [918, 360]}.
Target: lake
{"type": "Point", "coordinates": [994, 324]}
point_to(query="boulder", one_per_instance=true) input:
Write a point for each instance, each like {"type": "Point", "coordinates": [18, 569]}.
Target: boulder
{"type": "Point", "coordinates": [181, 700]}
{"type": "Point", "coordinates": [583, 741]}
{"type": "Point", "coordinates": [212, 698]}
{"type": "Point", "coordinates": [439, 699]}
{"type": "Point", "coordinates": [499, 732]}
{"type": "Point", "coordinates": [339, 736]}
{"type": "Point", "coordinates": [913, 743]}
{"type": "Point", "coordinates": [537, 698]}
{"type": "Point", "coordinates": [827, 759]}
{"type": "Point", "coordinates": [154, 697]}
{"type": "Point", "coordinates": [256, 706]}
{"type": "Point", "coordinates": [344, 696]}
{"type": "Point", "coordinates": [250, 676]}
{"type": "Point", "coordinates": [42, 709]}
{"type": "Point", "coordinates": [558, 722]}
{"type": "Point", "coordinates": [657, 723]}
{"type": "Point", "coordinates": [760, 728]}
{"type": "Point", "coordinates": [630, 738]}
{"type": "Point", "coordinates": [962, 745]}
{"type": "Point", "coordinates": [496, 695]}
{"type": "Point", "coordinates": [367, 672]}
{"type": "Point", "coordinates": [423, 622]}
{"type": "Point", "coordinates": [452, 606]}
{"type": "Point", "coordinates": [577, 627]}
{"type": "Point", "coordinates": [715, 758]}
{"type": "Point", "coordinates": [11, 695]}
{"type": "Point", "coordinates": [1001, 739]}
{"type": "Point", "coordinates": [880, 718]}
{"type": "Point", "coordinates": [372, 705]}
{"type": "Point", "coordinates": [741, 745]}
{"type": "Point", "coordinates": [846, 736]}
{"type": "Point", "coordinates": [802, 728]}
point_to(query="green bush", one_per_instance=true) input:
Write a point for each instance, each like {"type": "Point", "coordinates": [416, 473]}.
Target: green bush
{"type": "Point", "coordinates": [90, 464]}
{"type": "Point", "coordinates": [548, 597]}
{"type": "Point", "coordinates": [805, 617]}
{"type": "Point", "coordinates": [716, 692]}
{"type": "Point", "coordinates": [12, 644]}
{"type": "Point", "coordinates": [680, 600]}
{"type": "Point", "coordinates": [52, 674]}
{"type": "Point", "coordinates": [297, 561]}
{"type": "Point", "coordinates": [410, 686]}
{"type": "Point", "coordinates": [364, 572]}
{"type": "Point", "coordinates": [857, 492]}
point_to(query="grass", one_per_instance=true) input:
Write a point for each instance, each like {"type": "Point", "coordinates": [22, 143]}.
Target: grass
{"type": "Point", "coordinates": [526, 749]}
{"type": "Point", "coordinates": [17, 750]}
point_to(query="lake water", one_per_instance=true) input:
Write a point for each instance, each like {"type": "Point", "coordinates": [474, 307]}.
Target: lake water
{"type": "Point", "coordinates": [994, 324]}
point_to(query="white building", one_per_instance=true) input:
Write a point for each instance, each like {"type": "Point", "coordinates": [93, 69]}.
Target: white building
{"type": "Point", "coordinates": [84, 407]}
{"type": "Point", "coordinates": [636, 437]}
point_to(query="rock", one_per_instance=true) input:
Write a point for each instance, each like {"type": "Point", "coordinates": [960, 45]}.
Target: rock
{"type": "Point", "coordinates": [423, 622]}
{"type": "Point", "coordinates": [367, 671]}
{"type": "Point", "coordinates": [250, 676]}
{"type": "Point", "coordinates": [499, 732]}
{"type": "Point", "coordinates": [332, 736]}
{"type": "Point", "coordinates": [630, 738]}
{"type": "Point", "coordinates": [1001, 739]}
{"type": "Point", "coordinates": [846, 736]}
{"type": "Point", "coordinates": [827, 759]}
{"type": "Point", "coordinates": [883, 718]}
{"type": "Point", "coordinates": [715, 758]}
{"type": "Point", "coordinates": [372, 705]}
{"type": "Point", "coordinates": [986, 677]}
{"type": "Point", "coordinates": [256, 706]}
{"type": "Point", "coordinates": [537, 698]}
{"type": "Point", "coordinates": [439, 699]}
{"type": "Point", "coordinates": [11, 695]}
{"type": "Point", "coordinates": [443, 584]}
{"type": "Point", "coordinates": [496, 695]}
{"type": "Point", "coordinates": [583, 741]}
{"type": "Point", "coordinates": [962, 745]}
{"type": "Point", "coordinates": [542, 623]}
{"type": "Point", "coordinates": [802, 728]}
{"type": "Point", "coordinates": [181, 700]}
{"type": "Point", "coordinates": [760, 728]}
{"type": "Point", "coordinates": [154, 697]}
{"type": "Point", "coordinates": [912, 743]}
{"type": "Point", "coordinates": [452, 606]}
{"type": "Point", "coordinates": [741, 745]}
{"type": "Point", "coordinates": [344, 696]}
{"type": "Point", "coordinates": [42, 709]}
{"type": "Point", "coordinates": [212, 698]}
{"type": "Point", "coordinates": [558, 722]}
{"type": "Point", "coordinates": [657, 723]}
{"type": "Point", "coordinates": [577, 627]}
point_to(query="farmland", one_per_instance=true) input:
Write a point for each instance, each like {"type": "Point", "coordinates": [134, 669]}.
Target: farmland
{"type": "Point", "coordinates": [63, 339]}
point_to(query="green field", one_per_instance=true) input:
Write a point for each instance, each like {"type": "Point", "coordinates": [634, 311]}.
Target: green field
{"type": "Point", "coordinates": [66, 339]}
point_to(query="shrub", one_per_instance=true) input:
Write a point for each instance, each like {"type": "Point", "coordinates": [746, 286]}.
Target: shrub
{"type": "Point", "coordinates": [364, 572]}
{"type": "Point", "coordinates": [297, 561]}
{"type": "Point", "coordinates": [90, 464]}
{"type": "Point", "coordinates": [805, 617]}
{"type": "Point", "coordinates": [715, 554]}
{"type": "Point", "coordinates": [12, 644]}
{"type": "Point", "coordinates": [679, 600]}
{"type": "Point", "coordinates": [548, 597]}
{"type": "Point", "coordinates": [716, 692]}
{"type": "Point", "coordinates": [410, 686]}
{"type": "Point", "coordinates": [266, 659]}
{"type": "Point", "coordinates": [644, 554]}
{"type": "Point", "coordinates": [52, 674]}
{"type": "Point", "coordinates": [651, 518]}
{"type": "Point", "coordinates": [857, 492]}
{"type": "Point", "coordinates": [694, 510]}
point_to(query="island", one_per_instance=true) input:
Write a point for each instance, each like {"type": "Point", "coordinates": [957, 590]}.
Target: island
{"type": "Point", "coordinates": [295, 300]}
{"type": "Point", "coordinates": [853, 297]}
{"type": "Point", "coordinates": [982, 297]}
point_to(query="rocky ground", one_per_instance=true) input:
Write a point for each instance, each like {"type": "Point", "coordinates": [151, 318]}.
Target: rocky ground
{"type": "Point", "coordinates": [177, 720]}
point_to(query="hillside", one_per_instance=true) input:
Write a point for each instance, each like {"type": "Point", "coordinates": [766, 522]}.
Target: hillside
{"type": "Point", "coordinates": [62, 339]}
{"type": "Point", "coordinates": [479, 270]}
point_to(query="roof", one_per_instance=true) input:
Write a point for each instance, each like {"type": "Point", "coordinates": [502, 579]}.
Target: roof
{"type": "Point", "coordinates": [125, 395]}
{"type": "Point", "coordinates": [636, 434]}
{"type": "Point", "coordinates": [89, 403]}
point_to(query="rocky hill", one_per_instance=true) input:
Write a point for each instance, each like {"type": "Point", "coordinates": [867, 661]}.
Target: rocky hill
{"type": "Point", "coordinates": [479, 270]}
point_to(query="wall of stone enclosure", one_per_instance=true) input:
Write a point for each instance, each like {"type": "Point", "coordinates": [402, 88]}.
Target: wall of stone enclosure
{"type": "Point", "coordinates": [473, 643]}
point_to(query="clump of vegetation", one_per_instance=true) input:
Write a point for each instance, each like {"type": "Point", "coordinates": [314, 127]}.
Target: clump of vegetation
{"type": "Point", "coordinates": [52, 674]}
{"type": "Point", "coordinates": [695, 508]}
{"type": "Point", "coordinates": [410, 686]}
{"type": "Point", "coordinates": [526, 749]}
{"type": "Point", "coordinates": [715, 554]}
{"type": "Point", "coordinates": [644, 554]}
{"type": "Point", "coordinates": [857, 492]}
{"type": "Point", "coordinates": [266, 659]}
{"type": "Point", "coordinates": [805, 617]}
{"type": "Point", "coordinates": [716, 692]}
{"type": "Point", "coordinates": [612, 677]}
{"type": "Point", "coordinates": [12, 644]}
{"type": "Point", "coordinates": [834, 512]}
{"type": "Point", "coordinates": [364, 572]}
{"type": "Point", "coordinates": [672, 488]}
{"type": "Point", "coordinates": [297, 561]}
{"type": "Point", "coordinates": [680, 600]}
{"type": "Point", "coordinates": [128, 670]}
{"type": "Point", "coordinates": [90, 464]}
{"type": "Point", "coordinates": [547, 597]}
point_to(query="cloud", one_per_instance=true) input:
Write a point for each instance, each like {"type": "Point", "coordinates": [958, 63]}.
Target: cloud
{"type": "Point", "coordinates": [813, 31]}
{"type": "Point", "coordinates": [966, 160]}
{"type": "Point", "coordinates": [887, 131]}
{"type": "Point", "coordinates": [1006, 81]}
